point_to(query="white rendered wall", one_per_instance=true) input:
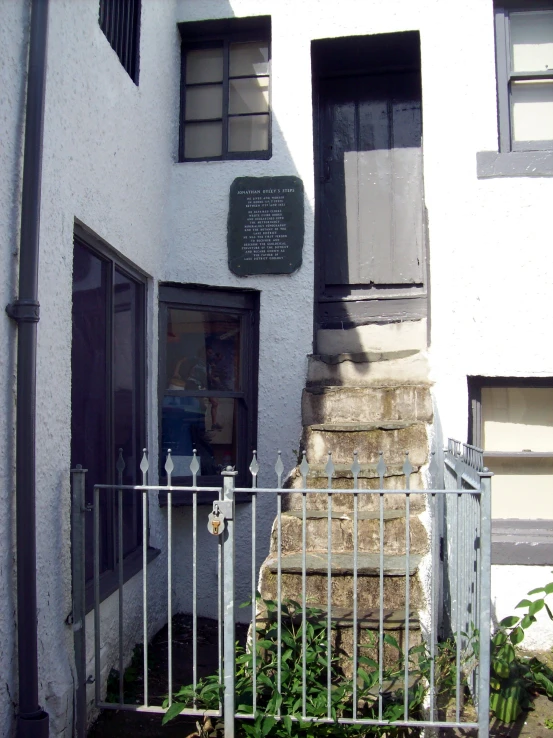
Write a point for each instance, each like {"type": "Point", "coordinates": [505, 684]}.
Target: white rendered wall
{"type": "Point", "coordinates": [510, 584]}
{"type": "Point", "coordinates": [108, 152]}
{"type": "Point", "coordinates": [490, 274]}
{"type": "Point", "coordinates": [490, 260]}
{"type": "Point", "coordinates": [108, 148]}
{"type": "Point", "coordinates": [490, 240]}
{"type": "Point", "coordinates": [110, 161]}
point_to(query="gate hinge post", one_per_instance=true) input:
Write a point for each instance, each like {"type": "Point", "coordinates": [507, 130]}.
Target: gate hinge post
{"type": "Point", "coordinates": [229, 475]}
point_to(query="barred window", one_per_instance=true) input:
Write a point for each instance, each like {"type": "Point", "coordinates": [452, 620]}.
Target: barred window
{"type": "Point", "coordinates": [120, 22]}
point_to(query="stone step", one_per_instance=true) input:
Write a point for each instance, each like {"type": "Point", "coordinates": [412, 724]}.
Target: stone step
{"type": "Point", "coordinates": [342, 502]}
{"type": "Point", "coordinates": [368, 628]}
{"type": "Point", "coordinates": [368, 439]}
{"type": "Point", "coordinates": [342, 531]}
{"type": "Point", "coordinates": [368, 564]}
{"type": "Point", "coordinates": [366, 404]}
{"type": "Point", "coordinates": [400, 335]}
{"type": "Point", "coordinates": [342, 479]}
{"type": "Point", "coordinates": [343, 617]}
{"type": "Point", "coordinates": [368, 580]}
{"type": "Point", "coordinates": [366, 370]}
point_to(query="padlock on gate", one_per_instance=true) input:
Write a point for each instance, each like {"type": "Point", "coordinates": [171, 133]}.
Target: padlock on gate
{"type": "Point", "coordinates": [216, 521]}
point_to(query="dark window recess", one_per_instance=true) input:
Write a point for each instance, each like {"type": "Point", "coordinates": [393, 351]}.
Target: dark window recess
{"type": "Point", "coordinates": [120, 22]}
{"type": "Point", "coordinates": [107, 396]}
{"type": "Point", "coordinates": [370, 221]}
{"type": "Point", "coordinates": [208, 382]}
{"type": "Point", "coordinates": [225, 103]}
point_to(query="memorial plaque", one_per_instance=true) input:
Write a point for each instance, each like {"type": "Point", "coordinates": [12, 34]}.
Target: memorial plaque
{"type": "Point", "coordinates": [265, 225]}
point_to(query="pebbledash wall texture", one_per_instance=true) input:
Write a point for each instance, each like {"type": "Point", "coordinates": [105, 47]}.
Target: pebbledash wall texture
{"type": "Point", "coordinates": [110, 162]}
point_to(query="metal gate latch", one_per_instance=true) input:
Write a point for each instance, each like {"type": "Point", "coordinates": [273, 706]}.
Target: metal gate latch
{"type": "Point", "coordinates": [216, 520]}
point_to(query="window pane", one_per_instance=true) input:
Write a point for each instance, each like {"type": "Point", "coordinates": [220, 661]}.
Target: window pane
{"type": "Point", "coordinates": [249, 133]}
{"type": "Point", "coordinates": [532, 111]}
{"type": "Point", "coordinates": [521, 488]}
{"type": "Point", "coordinates": [207, 424]}
{"type": "Point", "coordinates": [126, 401]}
{"type": "Point", "coordinates": [249, 95]}
{"type": "Point", "coordinates": [89, 389]}
{"type": "Point", "coordinates": [517, 418]}
{"type": "Point", "coordinates": [202, 350]}
{"type": "Point", "coordinates": [202, 353]}
{"type": "Point", "coordinates": [532, 41]}
{"type": "Point", "coordinates": [204, 65]}
{"type": "Point", "coordinates": [202, 140]}
{"type": "Point", "coordinates": [250, 58]}
{"type": "Point", "coordinates": [204, 102]}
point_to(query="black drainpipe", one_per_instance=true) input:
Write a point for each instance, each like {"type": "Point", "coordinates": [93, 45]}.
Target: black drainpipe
{"type": "Point", "coordinates": [32, 721]}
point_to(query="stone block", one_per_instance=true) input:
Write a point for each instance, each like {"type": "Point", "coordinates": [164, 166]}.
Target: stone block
{"type": "Point", "coordinates": [368, 588]}
{"type": "Point", "coordinates": [342, 531]}
{"type": "Point", "coordinates": [392, 438]}
{"type": "Point", "coordinates": [366, 404]}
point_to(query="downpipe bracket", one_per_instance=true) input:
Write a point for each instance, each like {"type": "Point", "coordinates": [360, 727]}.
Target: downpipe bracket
{"type": "Point", "coordinates": [24, 311]}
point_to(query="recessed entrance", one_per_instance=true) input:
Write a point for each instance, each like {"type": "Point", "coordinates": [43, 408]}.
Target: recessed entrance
{"type": "Point", "coordinates": [370, 235]}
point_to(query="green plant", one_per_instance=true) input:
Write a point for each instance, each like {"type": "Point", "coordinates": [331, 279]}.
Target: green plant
{"type": "Point", "coordinates": [131, 677]}
{"type": "Point", "coordinates": [514, 679]}
{"type": "Point", "coordinates": [548, 722]}
{"type": "Point", "coordinates": [319, 702]}
{"type": "Point", "coordinates": [445, 671]}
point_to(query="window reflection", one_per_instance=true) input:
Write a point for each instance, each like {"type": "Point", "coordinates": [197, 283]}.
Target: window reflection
{"type": "Point", "coordinates": [202, 368]}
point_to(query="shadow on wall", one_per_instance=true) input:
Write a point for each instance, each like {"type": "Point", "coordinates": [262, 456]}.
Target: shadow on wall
{"type": "Point", "coordinates": [280, 391]}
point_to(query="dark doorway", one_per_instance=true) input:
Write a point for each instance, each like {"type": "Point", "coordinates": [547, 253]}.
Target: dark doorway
{"type": "Point", "coordinates": [369, 189]}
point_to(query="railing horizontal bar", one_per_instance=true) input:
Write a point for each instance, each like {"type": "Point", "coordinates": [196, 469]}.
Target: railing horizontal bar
{"type": "Point", "coordinates": [360, 721]}
{"type": "Point", "coordinates": [156, 710]}
{"type": "Point", "coordinates": [467, 471]}
{"type": "Point", "coordinates": [302, 490]}
{"type": "Point", "coordinates": [172, 488]}
{"type": "Point", "coordinates": [161, 488]}
{"type": "Point", "coordinates": [470, 480]}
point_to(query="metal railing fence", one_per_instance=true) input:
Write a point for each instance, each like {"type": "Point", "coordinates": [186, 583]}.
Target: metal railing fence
{"type": "Point", "coordinates": [357, 591]}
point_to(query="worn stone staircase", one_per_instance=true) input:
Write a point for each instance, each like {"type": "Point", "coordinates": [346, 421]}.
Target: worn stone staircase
{"type": "Point", "coordinates": [368, 402]}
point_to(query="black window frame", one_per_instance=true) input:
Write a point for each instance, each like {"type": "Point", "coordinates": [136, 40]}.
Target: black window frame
{"type": "Point", "coordinates": [522, 159]}
{"type": "Point", "coordinates": [246, 304]}
{"type": "Point", "coordinates": [120, 22]}
{"type": "Point", "coordinates": [221, 33]}
{"type": "Point", "coordinates": [132, 563]}
{"type": "Point", "coordinates": [514, 542]}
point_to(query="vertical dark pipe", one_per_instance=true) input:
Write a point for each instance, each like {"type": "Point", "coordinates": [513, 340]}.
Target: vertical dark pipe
{"type": "Point", "coordinates": [32, 721]}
